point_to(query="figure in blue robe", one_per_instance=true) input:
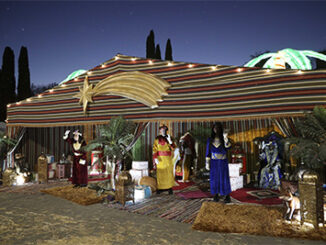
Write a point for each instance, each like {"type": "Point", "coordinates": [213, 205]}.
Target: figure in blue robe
{"type": "Point", "coordinates": [217, 163]}
{"type": "Point", "coordinates": [270, 174]}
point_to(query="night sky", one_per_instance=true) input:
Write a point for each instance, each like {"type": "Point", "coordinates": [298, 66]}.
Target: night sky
{"type": "Point", "coordinates": [65, 36]}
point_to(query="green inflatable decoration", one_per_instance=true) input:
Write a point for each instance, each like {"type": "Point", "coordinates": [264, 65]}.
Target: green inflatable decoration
{"type": "Point", "coordinates": [74, 74]}
{"type": "Point", "coordinates": [296, 59]}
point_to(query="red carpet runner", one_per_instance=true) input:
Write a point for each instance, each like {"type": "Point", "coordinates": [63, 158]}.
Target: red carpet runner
{"type": "Point", "coordinates": [258, 196]}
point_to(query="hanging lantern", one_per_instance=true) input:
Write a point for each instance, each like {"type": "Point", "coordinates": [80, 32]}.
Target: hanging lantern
{"type": "Point", "coordinates": [311, 199]}
{"type": "Point", "coordinates": [42, 169]}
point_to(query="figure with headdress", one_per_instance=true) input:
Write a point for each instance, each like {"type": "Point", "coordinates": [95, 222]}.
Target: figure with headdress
{"type": "Point", "coordinates": [79, 167]}
{"type": "Point", "coordinates": [187, 146]}
{"type": "Point", "coordinates": [217, 163]}
{"type": "Point", "coordinates": [270, 174]}
{"type": "Point", "coordinates": [163, 148]}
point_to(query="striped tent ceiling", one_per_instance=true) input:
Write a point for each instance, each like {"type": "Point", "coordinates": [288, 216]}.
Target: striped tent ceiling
{"type": "Point", "coordinates": [196, 92]}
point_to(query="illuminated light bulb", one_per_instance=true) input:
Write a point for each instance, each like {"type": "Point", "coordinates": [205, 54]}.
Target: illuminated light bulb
{"type": "Point", "coordinates": [116, 57]}
{"type": "Point", "coordinates": [239, 69]}
{"type": "Point", "coordinates": [76, 79]}
{"type": "Point", "coordinates": [63, 85]}
{"type": "Point", "coordinates": [20, 180]}
{"type": "Point", "coordinates": [89, 73]}
{"type": "Point", "coordinates": [299, 72]}
{"type": "Point", "coordinates": [18, 103]}
{"type": "Point", "coordinates": [213, 68]}
{"type": "Point", "coordinates": [268, 70]}
{"type": "Point", "coordinates": [51, 90]}
{"type": "Point", "coordinates": [40, 96]}
{"type": "Point", "coordinates": [150, 62]}
{"type": "Point", "coordinates": [133, 59]}
{"type": "Point", "coordinates": [102, 65]}
{"type": "Point", "coordinates": [170, 64]}
{"type": "Point", "coordinates": [29, 99]}
{"type": "Point", "coordinates": [8, 105]}
{"type": "Point", "coordinates": [190, 65]}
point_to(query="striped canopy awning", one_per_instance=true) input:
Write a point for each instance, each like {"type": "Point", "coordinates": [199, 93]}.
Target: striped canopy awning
{"type": "Point", "coordinates": [195, 92]}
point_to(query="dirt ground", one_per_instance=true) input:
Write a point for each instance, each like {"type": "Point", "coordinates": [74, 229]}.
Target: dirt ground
{"type": "Point", "coordinates": [37, 218]}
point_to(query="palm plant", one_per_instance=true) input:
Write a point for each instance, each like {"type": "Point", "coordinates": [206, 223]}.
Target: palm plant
{"type": "Point", "coordinates": [114, 139]}
{"type": "Point", "coordinates": [310, 146]}
{"type": "Point", "coordinates": [4, 143]}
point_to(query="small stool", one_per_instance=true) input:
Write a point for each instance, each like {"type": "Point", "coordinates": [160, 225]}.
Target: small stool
{"type": "Point", "coordinates": [60, 171]}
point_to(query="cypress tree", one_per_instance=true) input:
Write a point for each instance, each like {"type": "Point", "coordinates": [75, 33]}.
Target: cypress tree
{"type": "Point", "coordinates": [24, 82]}
{"type": "Point", "coordinates": [168, 50]}
{"type": "Point", "coordinates": [8, 81]}
{"type": "Point", "coordinates": [150, 45]}
{"type": "Point", "coordinates": [2, 103]}
{"type": "Point", "coordinates": [158, 52]}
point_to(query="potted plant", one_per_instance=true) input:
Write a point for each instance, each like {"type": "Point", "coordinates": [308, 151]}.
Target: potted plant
{"type": "Point", "coordinates": [310, 146]}
{"type": "Point", "coordinates": [4, 143]}
{"type": "Point", "coordinates": [114, 139]}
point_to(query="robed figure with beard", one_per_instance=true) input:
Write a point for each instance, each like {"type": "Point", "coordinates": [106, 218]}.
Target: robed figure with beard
{"type": "Point", "coordinates": [163, 148]}
{"type": "Point", "coordinates": [79, 167]}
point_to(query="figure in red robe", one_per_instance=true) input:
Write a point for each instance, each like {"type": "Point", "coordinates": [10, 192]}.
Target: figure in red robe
{"type": "Point", "coordinates": [79, 167]}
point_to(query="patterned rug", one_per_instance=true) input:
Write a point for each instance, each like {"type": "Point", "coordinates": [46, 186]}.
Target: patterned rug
{"type": "Point", "coordinates": [171, 207]}
{"type": "Point", "coordinates": [194, 194]}
{"type": "Point", "coordinates": [165, 206]}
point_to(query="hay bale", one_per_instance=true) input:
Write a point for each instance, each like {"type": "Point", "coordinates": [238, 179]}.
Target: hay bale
{"type": "Point", "coordinates": [83, 196]}
{"type": "Point", "coordinates": [250, 219]}
{"type": "Point", "coordinates": [9, 177]}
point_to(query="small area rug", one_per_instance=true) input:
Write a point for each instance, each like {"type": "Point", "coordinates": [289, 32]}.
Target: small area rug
{"type": "Point", "coordinates": [252, 219]}
{"type": "Point", "coordinates": [82, 196]}
{"type": "Point", "coordinates": [257, 196]}
{"type": "Point", "coordinates": [182, 185]}
{"type": "Point", "coordinates": [194, 194]}
{"type": "Point", "coordinates": [165, 206]}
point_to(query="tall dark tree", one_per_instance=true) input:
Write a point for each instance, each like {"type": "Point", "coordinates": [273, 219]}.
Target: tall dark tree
{"type": "Point", "coordinates": [8, 81]}
{"type": "Point", "coordinates": [24, 82]}
{"type": "Point", "coordinates": [150, 45]}
{"type": "Point", "coordinates": [2, 104]}
{"type": "Point", "coordinates": [158, 52]}
{"type": "Point", "coordinates": [168, 50]}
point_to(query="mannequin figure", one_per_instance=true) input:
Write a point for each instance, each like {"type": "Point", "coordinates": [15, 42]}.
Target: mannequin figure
{"type": "Point", "coordinates": [187, 145]}
{"type": "Point", "coordinates": [162, 160]}
{"type": "Point", "coordinates": [217, 163]}
{"type": "Point", "coordinates": [79, 167]}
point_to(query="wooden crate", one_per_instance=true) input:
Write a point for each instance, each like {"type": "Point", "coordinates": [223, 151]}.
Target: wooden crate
{"type": "Point", "coordinates": [60, 173]}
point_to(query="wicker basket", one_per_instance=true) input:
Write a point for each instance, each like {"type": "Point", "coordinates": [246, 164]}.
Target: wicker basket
{"type": "Point", "coordinates": [149, 181]}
